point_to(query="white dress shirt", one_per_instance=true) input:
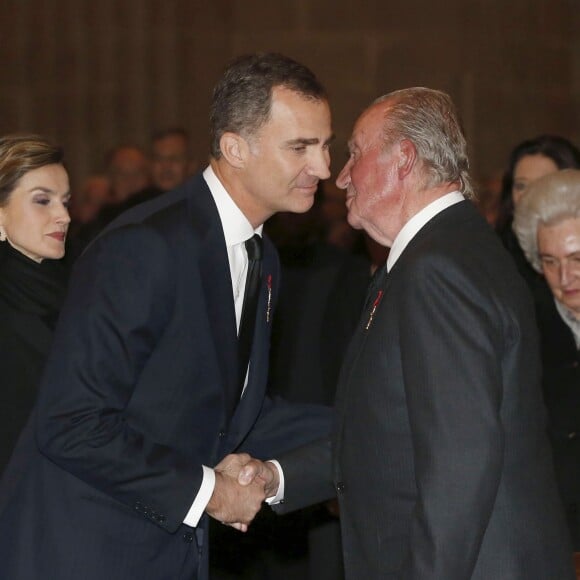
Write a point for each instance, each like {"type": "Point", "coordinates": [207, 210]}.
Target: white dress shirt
{"type": "Point", "coordinates": [414, 225]}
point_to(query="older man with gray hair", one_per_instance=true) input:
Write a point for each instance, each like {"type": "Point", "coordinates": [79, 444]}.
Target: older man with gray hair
{"type": "Point", "coordinates": [439, 456]}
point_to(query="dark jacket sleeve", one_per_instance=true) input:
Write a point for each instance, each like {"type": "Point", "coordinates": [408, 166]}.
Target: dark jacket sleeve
{"type": "Point", "coordinates": [119, 302]}
{"type": "Point", "coordinates": [283, 426]}
{"type": "Point", "coordinates": [307, 476]}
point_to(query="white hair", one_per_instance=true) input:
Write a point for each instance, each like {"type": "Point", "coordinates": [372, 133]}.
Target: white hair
{"type": "Point", "coordinates": [429, 119]}
{"type": "Point", "coordinates": [548, 201]}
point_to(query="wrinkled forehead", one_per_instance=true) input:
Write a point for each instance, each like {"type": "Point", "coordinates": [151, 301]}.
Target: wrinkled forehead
{"type": "Point", "coordinates": [369, 125]}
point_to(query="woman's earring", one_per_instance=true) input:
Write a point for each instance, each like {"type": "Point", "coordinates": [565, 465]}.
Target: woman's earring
{"type": "Point", "coordinates": [2, 235]}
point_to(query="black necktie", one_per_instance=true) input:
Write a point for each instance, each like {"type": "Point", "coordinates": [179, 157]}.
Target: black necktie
{"type": "Point", "coordinates": [248, 319]}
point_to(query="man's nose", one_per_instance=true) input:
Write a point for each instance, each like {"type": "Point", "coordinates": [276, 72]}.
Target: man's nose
{"type": "Point", "coordinates": [321, 164]}
{"type": "Point", "coordinates": [343, 179]}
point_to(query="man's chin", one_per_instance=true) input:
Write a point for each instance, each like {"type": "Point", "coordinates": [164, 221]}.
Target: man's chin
{"type": "Point", "coordinates": [303, 205]}
{"type": "Point", "coordinates": [354, 221]}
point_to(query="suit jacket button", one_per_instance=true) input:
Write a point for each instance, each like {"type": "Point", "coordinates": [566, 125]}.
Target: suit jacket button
{"type": "Point", "coordinates": [340, 487]}
{"type": "Point", "coordinates": [188, 537]}
{"type": "Point", "coordinates": [221, 434]}
{"type": "Point", "coordinates": [572, 435]}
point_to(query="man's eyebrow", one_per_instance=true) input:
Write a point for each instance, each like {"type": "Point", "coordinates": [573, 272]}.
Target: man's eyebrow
{"type": "Point", "coordinates": [305, 141]}
{"type": "Point", "coordinates": [302, 141]}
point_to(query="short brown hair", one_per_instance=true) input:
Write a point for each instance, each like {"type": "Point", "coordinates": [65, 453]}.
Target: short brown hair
{"type": "Point", "coordinates": [243, 96]}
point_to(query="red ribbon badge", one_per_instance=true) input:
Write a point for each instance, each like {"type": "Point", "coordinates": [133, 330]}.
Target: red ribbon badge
{"type": "Point", "coordinates": [374, 308]}
{"type": "Point", "coordinates": [269, 306]}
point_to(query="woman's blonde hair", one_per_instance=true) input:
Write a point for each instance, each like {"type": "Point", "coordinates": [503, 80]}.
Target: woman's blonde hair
{"type": "Point", "coordinates": [20, 154]}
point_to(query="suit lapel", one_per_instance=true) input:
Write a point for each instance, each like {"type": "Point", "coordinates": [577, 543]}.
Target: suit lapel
{"type": "Point", "coordinates": [217, 285]}
{"type": "Point", "coordinates": [377, 294]}
{"type": "Point", "coordinates": [251, 403]}
{"type": "Point", "coordinates": [457, 212]}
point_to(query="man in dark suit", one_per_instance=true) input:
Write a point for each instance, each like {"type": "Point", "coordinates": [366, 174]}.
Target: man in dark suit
{"type": "Point", "coordinates": [146, 389]}
{"type": "Point", "coordinates": [440, 458]}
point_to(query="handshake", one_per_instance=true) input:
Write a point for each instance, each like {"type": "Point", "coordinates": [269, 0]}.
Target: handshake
{"type": "Point", "coordinates": [242, 483]}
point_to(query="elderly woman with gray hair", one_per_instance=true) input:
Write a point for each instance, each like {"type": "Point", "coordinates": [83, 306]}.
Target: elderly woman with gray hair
{"type": "Point", "coordinates": [547, 224]}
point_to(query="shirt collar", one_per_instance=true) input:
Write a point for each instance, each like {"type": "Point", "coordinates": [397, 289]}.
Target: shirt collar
{"type": "Point", "coordinates": [414, 225]}
{"type": "Point", "coordinates": [235, 224]}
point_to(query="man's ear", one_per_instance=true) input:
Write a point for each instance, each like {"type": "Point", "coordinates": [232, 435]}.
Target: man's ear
{"type": "Point", "coordinates": [407, 158]}
{"type": "Point", "coordinates": [235, 149]}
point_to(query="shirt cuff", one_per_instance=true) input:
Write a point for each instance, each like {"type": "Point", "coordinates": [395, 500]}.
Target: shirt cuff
{"type": "Point", "coordinates": [280, 494]}
{"type": "Point", "coordinates": [202, 498]}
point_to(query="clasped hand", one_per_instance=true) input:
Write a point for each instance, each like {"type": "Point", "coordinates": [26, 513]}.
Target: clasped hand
{"type": "Point", "coordinates": [242, 483]}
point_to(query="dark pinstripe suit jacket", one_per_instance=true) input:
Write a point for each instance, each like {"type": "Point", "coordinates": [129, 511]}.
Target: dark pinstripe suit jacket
{"type": "Point", "coordinates": [440, 455]}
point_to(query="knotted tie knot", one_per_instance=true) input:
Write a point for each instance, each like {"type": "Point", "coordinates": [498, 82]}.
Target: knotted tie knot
{"type": "Point", "coordinates": [254, 247]}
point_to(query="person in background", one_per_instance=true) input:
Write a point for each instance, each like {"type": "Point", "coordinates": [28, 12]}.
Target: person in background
{"type": "Point", "coordinates": [529, 161]}
{"type": "Point", "coordinates": [128, 174]}
{"type": "Point", "coordinates": [547, 225]}
{"type": "Point", "coordinates": [93, 194]}
{"type": "Point", "coordinates": [170, 165]}
{"type": "Point", "coordinates": [128, 170]}
{"type": "Point", "coordinates": [488, 200]}
{"type": "Point", "coordinates": [171, 162]}
{"type": "Point", "coordinates": [34, 219]}
{"type": "Point", "coordinates": [127, 183]}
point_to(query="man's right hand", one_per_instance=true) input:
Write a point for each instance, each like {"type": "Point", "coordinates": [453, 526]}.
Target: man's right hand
{"type": "Point", "coordinates": [232, 503]}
